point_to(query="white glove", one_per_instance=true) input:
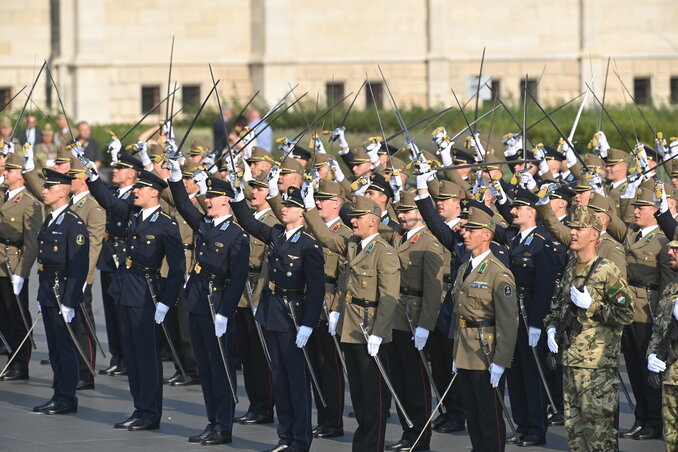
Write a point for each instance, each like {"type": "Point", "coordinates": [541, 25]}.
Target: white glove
{"type": "Point", "coordinates": [533, 336]}
{"type": "Point", "coordinates": [236, 185]}
{"type": "Point", "coordinates": [175, 170]}
{"type": "Point", "coordinates": [673, 148]}
{"type": "Point", "coordinates": [538, 152]}
{"type": "Point", "coordinates": [373, 343]}
{"type": "Point", "coordinates": [661, 203]}
{"type": "Point", "coordinates": [631, 188]}
{"type": "Point", "coordinates": [114, 147]}
{"type": "Point", "coordinates": [90, 167]}
{"type": "Point", "coordinates": [497, 192]}
{"type": "Point", "coordinates": [424, 177]}
{"type": "Point", "coordinates": [420, 337]}
{"type": "Point", "coordinates": [29, 161]}
{"type": "Point", "coordinates": [8, 147]}
{"type": "Point", "coordinates": [363, 185]}
{"type": "Point", "coordinates": [318, 146]}
{"type": "Point", "coordinates": [599, 144]}
{"type": "Point", "coordinates": [273, 176]}
{"type": "Point", "coordinates": [675, 309]}
{"type": "Point", "coordinates": [396, 184]}
{"type": "Point", "coordinates": [543, 167]}
{"type": "Point", "coordinates": [220, 325]}
{"type": "Point", "coordinates": [547, 189]}
{"type": "Point", "coordinates": [208, 160]}
{"type": "Point", "coordinates": [307, 195]}
{"type": "Point", "coordinates": [340, 134]}
{"type": "Point", "coordinates": [581, 299]}
{"type": "Point", "coordinates": [445, 153]}
{"type": "Point", "coordinates": [332, 323]}
{"type": "Point", "coordinates": [655, 364]}
{"type": "Point", "coordinates": [551, 340]}
{"type": "Point", "coordinates": [142, 147]}
{"type": "Point", "coordinates": [569, 154]}
{"type": "Point", "coordinates": [454, 366]}
{"type": "Point", "coordinates": [496, 371]}
{"type": "Point", "coordinates": [200, 179]}
{"type": "Point", "coordinates": [160, 312]}
{"type": "Point", "coordinates": [17, 284]}
{"type": "Point", "coordinates": [478, 146]}
{"type": "Point", "coordinates": [597, 183]}
{"type": "Point", "coordinates": [67, 313]}
{"type": "Point", "coordinates": [372, 151]}
{"type": "Point", "coordinates": [302, 335]}
{"type": "Point", "coordinates": [413, 152]}
{"type": "Point", "coordinates": [527, 180]}
{"type": "Point", "coordinates": [513, 143]}
{"type": "Point", "coordinates": [168, 130]}
{"type": "Point", "coordinates": [336, 170]}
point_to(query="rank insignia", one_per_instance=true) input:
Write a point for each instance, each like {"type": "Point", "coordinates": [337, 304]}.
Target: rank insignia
{"type": "Point", "coordinates": [295, 239]}
{"type": "Point", "coordinates": [482, 268]}
{"type": "Point", "coordinates": [224, 226]}
{"type": "Point", "coordinates": [415, 238]}
{"type": "Point", "coordinates": [80, 239]}
{"type": "Point", "coordinates": [529, 240]}
{"type": "Point", "coordinates": [335, 228]}
{"type": "Point", "coordinates": [649, 238]}
{"type": "Point", "coordinates": [369, 248]}
{"type": "Point", "coordinates": [154, 217]}
{"type": "Point", "coordinates": [18, 197]}
{"type": "Point", "coordinates": [60, 219]}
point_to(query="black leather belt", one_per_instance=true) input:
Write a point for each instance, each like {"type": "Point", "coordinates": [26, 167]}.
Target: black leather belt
{"type": "Point", "coordinates": [198, 270]}
{"type": "Point", "coordinates": [255, 269]}
{"type": "Point", "coordinates": [643, 285]}
{"type": "Point", "coordinates": [406, 291]}
{"type": "Point", "coordinates": [463, 323]}
{"type": "Point", "coordinates": [129, 263]}
{"type": "Point", "coordinates": [330, 280]}
{"type": "Point", "coordinates": [12, 243]}
{"type": "Point", "coordinates": [275, 290]}
{"type": "Point", "coordinates": [350, 299]}
{"type": "Point", "coordinates": [189, 246]}
{"type": "Point", "coordinates": [43, 267]}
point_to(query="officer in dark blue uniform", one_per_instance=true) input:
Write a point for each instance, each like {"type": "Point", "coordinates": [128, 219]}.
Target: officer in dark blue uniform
{"type": "Point", "coordinates": [152, 235]}
{"type": "Point", "coordinates": [111, 257]}
{"type": "Point", "coordinates": [63, 262]}
{"type": "Point", "coordinates": [296, 276]}
{"type": "Point", "coordinates": [213, 290]}
{"type": "Point", "coordinates": [534, 266]}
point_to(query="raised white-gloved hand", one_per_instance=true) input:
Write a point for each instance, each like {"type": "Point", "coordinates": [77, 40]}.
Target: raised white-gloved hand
{"type": "Point", "coordinates": [496, 371]}
{"type": "Point", "coordinates": [528, 181]}
{"type": "Point", "coordinates": [200, 178]}
{"type": "Point", "coordinates": [236, 185]}
{"type": "Point", "coordinates": [396, 184]}
{"type": "Point", "coordinates": [339, 134]}
{"type": "Point", "coordinates": [581, 299]}
{"type": "Point", "coordinates": [175, 170]}
{"type": "Point", "coordinates": [363, 183]}
{"type": "Point", "coordinates": [478, 146]}
{"type": "Point", "coordinates": [445, 153]}
{"type": "Point", "coordinates": [454, 367]}
{"type": "Point", "coordinates": [142, 147]}
{"type": "Point", "coordinates": [90, 167]}
{"type": "Point", "coordinates": [168, 130]}
{"type": "Point", "coordinates": [538, 152]}
{"type": "Point", "coordinates": [599, 144]}
{"type": "Point", "coordinates": [273, 176]}
{"type": "Point", "coordinates": [673, 147]}
{"type": "Point", "coordinates": [332, 323]}
{"type": "Point", "coordinates": [220, 325]}
{"type": "Point", "coordinates": [420, 337]}
{"type": "Point", "coordinates": [597, 183]}
{"type": "Point", "coordinates": [302, 335]}
{"type": "Point", "coordinates": [655, 364]}
{"type": "Point", "coordinates": [208, 160]}
{"type": "Point", "coordinates": [675, 309]}
{"type": "Point", "coordinates": [513, 143]}
{"type": "Point", "coordinates": [533, 336]}
{"type": "Point", "coordinates": [336, 170]}
{"type": "Point", "coordinates": [498, 192]}
{"type": "Point", "coordinates": [67, 313]}
{"type": "Point", "coordinates": [661, 202]}
{"type": "Point", "coordinates": [8, 147]}
{"type": "Point", "coordinates": [551, 340]}
{"type": "Point", "coordinates": [631, 188]}
{"type": "Point", "coordinates": [307, 195]}
{"type": "Point", "coordinates": [544, 194]}
{"type": "Point", "coordinates": [423, 178]}
{"type": "Point", "coordinates": [373, 343]}
{"type": "Point", "coordinates": [373, 151]}
{"type": "Point", "coordinates": [114, 146]}
{"type": "Point", "coordinates": [318, 146]}
{"type": "Point", "coordinates": [17, 284]}
{"type": "Point", "coordinates": [29, 161]}
{"type": "Point", "coordinates": [568, 152]}
{"type": "Point", "coordinates": [160, 312]}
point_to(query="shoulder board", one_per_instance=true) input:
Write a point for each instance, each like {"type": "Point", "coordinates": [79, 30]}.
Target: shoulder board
{"type": "Point", "coordinates": [164, 214]}
{"type": "Point", "coordinates": [308, 235]}
{"type": "Point", "coordinates": [27, 194]}
{"type": "Point", "coordinates": [73, 215]}
{"type": "Point", "coordinates": [495, 262]}
{"type": "Point", "coordinates": [235, 223]}
{"type": "Point", "coordinates": [540, 236]}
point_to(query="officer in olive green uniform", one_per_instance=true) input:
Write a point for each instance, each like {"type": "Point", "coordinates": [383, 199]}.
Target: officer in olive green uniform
{"type": "Point", "coordinates": [20, 221]}
{"type": "Point", "coordinates": [486, 312]}
{"type": "Point", "coordinates": [592, 305]}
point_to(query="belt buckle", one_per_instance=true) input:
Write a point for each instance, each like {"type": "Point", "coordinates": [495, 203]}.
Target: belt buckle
{"type": "Point", "coordinates": [349, 298]}
{"type": "Point", "coordinates": [197, 268]}
{"type": "Point", "coordinates": [271, 287]}
{"type": "Point", "coordinates": [128, 263]}
{"type": "Point", "coordinates": [40, 267]}
{"type": "Point", "coordinates": [462, 323]}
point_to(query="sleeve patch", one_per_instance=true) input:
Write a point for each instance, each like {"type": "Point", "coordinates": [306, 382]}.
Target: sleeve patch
{"type": "Point", "coordinates": [80, 239]}
{"type": "Point", "coordinates": [508, 291]}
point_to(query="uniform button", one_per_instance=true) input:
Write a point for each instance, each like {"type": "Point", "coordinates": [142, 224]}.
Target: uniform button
{"type": "Point", "coordinates": [277, 259]}
{"type": "Point", "coordinates": [131, 247]}
{"type": "Point", "coordinates": [134, 236]}
{"type": "Point", "coordinates": [288, 274]}
{"type": "Point", "coordinates": [274, 270]}
{"type": "Point", "coordinates": [364, 284]}
{"type": "Point", "coordinates": [148, 242]}
{"type": "Point", "coordinates": [41, 242]}
{"type": "Point", "coordinates": [291, 264]}
{"type": "Point", "coordinates": [201, 253]}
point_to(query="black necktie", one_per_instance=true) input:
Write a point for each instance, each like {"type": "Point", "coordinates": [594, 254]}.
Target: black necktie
{"type": "Point", "coordinates": [639, 236]}
{"type": "Point", "coordinates": [358, 248]}
{"type": "Point", "coordinates": [469, 267]}
{"type": "Point", "coordinates": [6, 196]}
{"type": "Point", "coordinates": [49, 219]}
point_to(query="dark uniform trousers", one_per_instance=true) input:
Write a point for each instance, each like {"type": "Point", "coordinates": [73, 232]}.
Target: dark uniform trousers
{"type": "Point", "coordinates": [63, 355]}
{"type": "Point", "coordinates": [216, 392]}
{"type": "Point", "coordinates": [84, 336]}
{"type": "Point", "coordinates": [368, 395]}
{"type": "Point", "coordinates": [411, 382]}
{"type": "Point", "coordinates": [112, 320]}
{"type": "Point", "coordinates": [481, 402]}
{"type": "Point", "coordinates": [327, 366]}
{"type": "Point", "coordinates": [177, 322]}
{"type": "Point", "coordinates": [13, 325]}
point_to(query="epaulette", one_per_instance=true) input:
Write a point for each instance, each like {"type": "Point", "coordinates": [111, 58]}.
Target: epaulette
{"type": "Point", "coordinates": [235, 223]}
{"type": "Point", "coordinates": [309, 235]}
{"type": "Point", "coordinates": [73, 215]}
{"type": "Point", "coordinates": [540, 236]}
{"type": "Point", "coordinates": [497, 263]}
{"type": "Point", "coordinates": [164, 214]}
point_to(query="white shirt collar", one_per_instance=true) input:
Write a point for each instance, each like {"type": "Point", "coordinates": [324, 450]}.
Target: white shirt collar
{"type": "Point", "coordinates": [291, 232]}
{"type": "Point", "coordinates": [145, 213]}
{"type": "Point", "coordinates": [410, 233]}
{"type": "Point", "coordinates": [645, 231]}
{"type": "Point", "coordinates": [123, 190]}
{"type": "Point", "coordinates": [562, 217]}
{"type": "Point", "coordinates": [79, 196]}
{"type": "Point", "coordinates": [384, 213]}
{"type": "Point", "coordinates": [365, 242]}
{"type": "Point", "coordinates": [261, 213]}
{"type": "Point", "coordinates": [12, 193]}
{"type": "Point", "coordinates": [218, 221]}
{"type": "Point", "coordinates": [56, 213]}
{"type": "Point", "coordinates": [478, 259]}
{"type": "Point", "coordinates": [618, 183]}
{"type": "Point", "coordinates": [331, 223]}
{"type": "Point", "coordinates": [525, 233]}
{"type": "Point", "coordinates": [452, 223]}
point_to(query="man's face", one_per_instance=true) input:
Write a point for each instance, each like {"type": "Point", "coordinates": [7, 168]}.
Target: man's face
{"type": "Point", "coordinates": [580, 238]}
{"type": "Point", "coordinates": [323, 171]}
{"type": "Point", "coordinates": [47, 137]}
{"type": "Point", "coordinates": [214, 206]}
{"type": "Point", "coordinates": [554, 166]}
{"type": "Point", "coordinates": [474, 238]}
{"type": "Point", "coordinates": [673, 257]}
{"type": "Point", "coordinates": [449, 209]}
{"type": "Point", "coordinates": [61, 123]}
{"type": "Point", "coordinates": [84, 131]}
{"type": "Point", "coordinates": [674, 182]}
{"type": "Point", "coordinates": [195, 159]}
{"type": "Point", "coordinates": [377, 196]}
{"type": "Point", "coordinates": [522, 215]}
{"type": "Point", "coordinates": [6, 132]}
{"type": "Point", "coordinates": [259, 195]}
{"type": "Point", "coordinates": [191, 186]}
{"type": "Point", "coordinates": [288, 180]}
{"type": "Point", "coordinates": [326, 207]}
{"type": "Point", "coordinates": [143, 196]}
{"type": "Point", "coordinates": [31, 121]}
{"type": "Point", "coordinates": [643, 216]}
{"type": "Point", "coordinates": [52, 193]}
{"type": "Point", "coordinates": [361, 169]}
{"type": "Point", "coordinates": [261, 165]}
{"type": "Point", "coordinates": [409, 219]}
{"type": "Point", "coordinates": [617, 171]}
{"type": "Point", "coordinates": [12, 176]}
{"type": "Point", "coordinates": [121, 175]}
{"type": "Point", "coordinates": [290, 214]}
{"type": "Point", "coordinates": [77, 185]}
{"type": "Point", "coordinates": [362, 225]}
{"type": "Point", "coordinates": [582, 198]}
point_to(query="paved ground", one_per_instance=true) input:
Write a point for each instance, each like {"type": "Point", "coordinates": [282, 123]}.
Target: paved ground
{"type": "Point", "coordinates": [184, 415]}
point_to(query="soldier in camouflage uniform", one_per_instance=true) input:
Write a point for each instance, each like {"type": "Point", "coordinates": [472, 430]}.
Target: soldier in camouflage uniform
{"type": "Point", "coordinates": [592, 305]}
{"type": "Point", "coordinates": [667, 314]}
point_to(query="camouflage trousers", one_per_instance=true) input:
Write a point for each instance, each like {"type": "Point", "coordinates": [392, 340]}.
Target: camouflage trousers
{"type": "Point", "coordinates": [591, 397]}
{"type": "Point", "coordinates": [670, 415]}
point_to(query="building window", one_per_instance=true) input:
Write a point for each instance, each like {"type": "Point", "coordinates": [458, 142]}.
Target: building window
{"type": "Point", "coordinates": [334, 92]}
{"type": "Point", "coordinates": [674, 90]}
{"type": "Point", "coordinates": [642, 90]}
{"type": "Point", "coordinates": [532, 87]}
{"type": "Point", "coordinates": [150, 96]}
{"type": "Point", "coordinates": [495, 90]}
{"type": "Point", "coordinates": [5, 96]}
{"type": "Point", "coordinates": [191, 96]}
{"type": "Point", "coordinates": [375, 95]}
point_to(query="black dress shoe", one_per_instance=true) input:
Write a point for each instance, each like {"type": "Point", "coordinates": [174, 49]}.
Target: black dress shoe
{"type": "Point", "coordinates": [648, 432]}
{"type": "Point", "coordinates": [84, 384]}
{"type": "Point", "coordinates": [14, 374]}
{"type": "Point", "coordinates": [258, 419]}
{"type": "Point", "coordinates": [108, 371]}
{"type": "Point", "coordinates": [143, 424]}
{"type": "Point", "coordinates": [240, 419]}
{"type": "Point", "coordinates": [351, 414]}
{"type": "Point", "coordinates": [316, 430]}
{"type": "Point", "coordinates": [395, 446]}
{"type": "Point", "coordinates": [514, 439]}
{"type": "Point", "coordinates": [121, 370]}
{"type": "Point", "coordinates": [406, 445]}
{"type": "Point", "coordinates": [44, 407]}
{"type": "Point", "coordinates": [632, 431]}
{"type": "Point", "coordinates": [531, 440]}
{"type": "Point", "coordinates": [278, 448]}
{"type": "Point", "coordinates": [126, 423]}
{"type": "Point", "coordinates": [62, 408]}
{"type": "Point", "coordinates": [173, 378]}
{"type": "Point", "coordinates": [329, 432]}
{"type": "Point", "coordinates": [200, 437]}
{"type": "Point", "coordinates": [296, 448]}
{"type": "Point", "coordinates": [45, 362]}
{"type": "Point", "coordinates": [188, 381]}
{"type": "Point", "coordinates": [216, 437]}
{"type": "Point", "coordinates": [437, 422]}
{"type": "Point", "coordinates": [557, 419]}
{"type": "Point", "coordinates": [451, 426]}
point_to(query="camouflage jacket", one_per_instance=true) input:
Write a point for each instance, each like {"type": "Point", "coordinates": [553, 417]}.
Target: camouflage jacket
{"type": "Point", "coordinates": [599, 342]}
{"type": "Point", "coordinates": [661, 327]}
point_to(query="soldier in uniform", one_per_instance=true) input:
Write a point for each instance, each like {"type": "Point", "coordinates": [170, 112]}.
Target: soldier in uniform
{"type": "Point", "coordinates": [20, 220]}
{"type": "Point", "coordinates": [212, 293]}
{"type": "Point", "coordinates": [63, 253]}
{"type": "Point", "coordinates": [152, 236]}
{"type": "Point", "coordinates": [94, 217]}
{"type": "Point", "coordinates": [592, 305]}
{"type": "Point", "coordinates": [295, 273]}
{"type": "Point", "coordinates": [486, 312]}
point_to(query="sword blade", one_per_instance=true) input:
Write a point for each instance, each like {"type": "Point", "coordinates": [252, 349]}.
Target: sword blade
{"type": "Point", "coordinates": [221, 348]}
